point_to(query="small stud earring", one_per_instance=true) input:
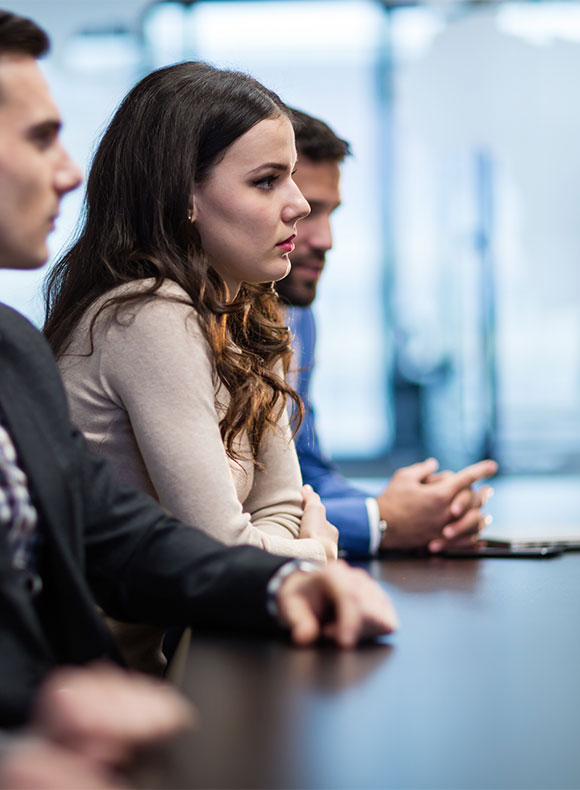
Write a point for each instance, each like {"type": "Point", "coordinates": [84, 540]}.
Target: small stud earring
{"type": "Point", "coordinates": [190, 216]}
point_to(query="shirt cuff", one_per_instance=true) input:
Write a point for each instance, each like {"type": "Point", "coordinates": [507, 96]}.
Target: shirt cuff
{"type": "Point", "coordinates": [306, 566]}
{"type": "Point", "coordinates": [376, 533]}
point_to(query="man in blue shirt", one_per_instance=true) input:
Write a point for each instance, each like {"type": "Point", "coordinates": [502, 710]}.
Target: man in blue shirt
{"type": "Point", "coordinates": [418, 507]}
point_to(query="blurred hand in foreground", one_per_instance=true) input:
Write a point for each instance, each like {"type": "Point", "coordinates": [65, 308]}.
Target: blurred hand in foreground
{"type": "Point", "coordinates": [87, 726]}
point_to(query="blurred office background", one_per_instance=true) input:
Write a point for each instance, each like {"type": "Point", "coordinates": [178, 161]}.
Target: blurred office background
{"type": "Point", "coordinates": [449, 322]}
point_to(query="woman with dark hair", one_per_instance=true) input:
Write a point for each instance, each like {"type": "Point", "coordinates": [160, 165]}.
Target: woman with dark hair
{"type": "Point", "coordinates": [163, 314]}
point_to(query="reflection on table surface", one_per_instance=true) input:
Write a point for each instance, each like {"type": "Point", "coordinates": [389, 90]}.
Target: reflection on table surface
{"type": "Point", "coordinates": [479, 689]}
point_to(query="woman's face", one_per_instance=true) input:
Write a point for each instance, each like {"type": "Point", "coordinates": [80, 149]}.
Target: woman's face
{"type": "Point", "coordinates": [247, 209]}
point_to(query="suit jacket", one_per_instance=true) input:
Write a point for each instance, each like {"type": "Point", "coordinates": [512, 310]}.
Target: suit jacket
{"type": "Point", "coordinates": [99, 541]}
{"type": "Point", "coordinates": [345, 504]}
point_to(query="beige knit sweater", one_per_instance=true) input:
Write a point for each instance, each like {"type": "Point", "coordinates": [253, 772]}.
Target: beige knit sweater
{"type": "Point", "coordinates": [147, 399]}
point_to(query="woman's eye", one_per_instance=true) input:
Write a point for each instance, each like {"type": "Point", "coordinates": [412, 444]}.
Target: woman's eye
{"type": "Point", "coordinates": [266, 183]}
{"type": "Point", "coordinates": [43, 138]}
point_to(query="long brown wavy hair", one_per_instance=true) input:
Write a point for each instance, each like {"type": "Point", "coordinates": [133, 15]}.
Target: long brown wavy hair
{"type": "Point", "coordinates": [166, 136]}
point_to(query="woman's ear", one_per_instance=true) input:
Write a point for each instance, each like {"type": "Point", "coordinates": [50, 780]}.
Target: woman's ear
{"type": "Point", "coordinates": [192, 210]}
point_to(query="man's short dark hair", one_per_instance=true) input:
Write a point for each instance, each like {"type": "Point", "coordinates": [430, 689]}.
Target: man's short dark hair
{"type": "Point", "coordinates": [316, 140]}
{"type": "Point", "coordinates": [22, 36]}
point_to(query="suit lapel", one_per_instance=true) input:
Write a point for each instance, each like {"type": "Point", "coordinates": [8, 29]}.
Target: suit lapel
{"type": "Point", "coordinates": [40, 468]}
{"type": "Point", "coordinates": [31, 424]}
{"type": "Point", "coordinates": [17, 599]}
{"type": "Point", "coordinates": [46, 477]}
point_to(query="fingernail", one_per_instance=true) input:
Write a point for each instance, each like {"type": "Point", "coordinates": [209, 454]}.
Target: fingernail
{"type": "Point", "coordinates": [449, 532]}
{"type": "Point", "coordinates": [456, 509]}
{"type": "Point", "coordinates": [488, 520]}
{"type": "Point", "coordinates": [436, 545]}
{"type": "Point", "coordinates": [486, 496]}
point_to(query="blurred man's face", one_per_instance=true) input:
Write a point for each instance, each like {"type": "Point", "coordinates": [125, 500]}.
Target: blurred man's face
{"type": "Point", "coordinates": [35, 170]}
{"type": "Point", "coordinates": [319, 182]}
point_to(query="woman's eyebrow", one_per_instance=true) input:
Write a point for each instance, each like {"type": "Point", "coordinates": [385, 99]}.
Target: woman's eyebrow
{"type": "Point", "coordinates": [270, 166]}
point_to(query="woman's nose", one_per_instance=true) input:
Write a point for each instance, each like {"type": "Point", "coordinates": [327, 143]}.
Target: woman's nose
{"type": "Point", "coordinates": [297, 206]}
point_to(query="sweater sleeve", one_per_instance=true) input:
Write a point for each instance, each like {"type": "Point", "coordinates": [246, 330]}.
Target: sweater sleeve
{"type": "Point", "coordinates": [157, 363]}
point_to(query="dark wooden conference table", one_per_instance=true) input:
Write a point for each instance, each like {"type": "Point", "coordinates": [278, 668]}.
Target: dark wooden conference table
{"type": "Point", "coordinates": [479, 689]}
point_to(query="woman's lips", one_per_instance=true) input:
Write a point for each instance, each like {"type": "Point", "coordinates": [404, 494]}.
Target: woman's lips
{"type": "Point", "coordinates": [288, 244]}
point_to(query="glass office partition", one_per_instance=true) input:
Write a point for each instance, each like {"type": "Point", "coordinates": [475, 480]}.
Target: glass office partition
{"type": "Point", "coordinates": [487, 232]}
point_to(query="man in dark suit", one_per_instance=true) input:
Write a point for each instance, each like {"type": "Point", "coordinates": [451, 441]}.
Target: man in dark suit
{"type": "Point", "coordinates": [417, 508]}
{"type": "Point", "coordinates": [69, 535]}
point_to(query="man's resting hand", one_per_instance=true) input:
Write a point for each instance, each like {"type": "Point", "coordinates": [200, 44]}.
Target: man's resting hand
{"type": "Point", "coordinates": [337, 602]}
{"type": "Point", "coordinates": [424, 508]}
